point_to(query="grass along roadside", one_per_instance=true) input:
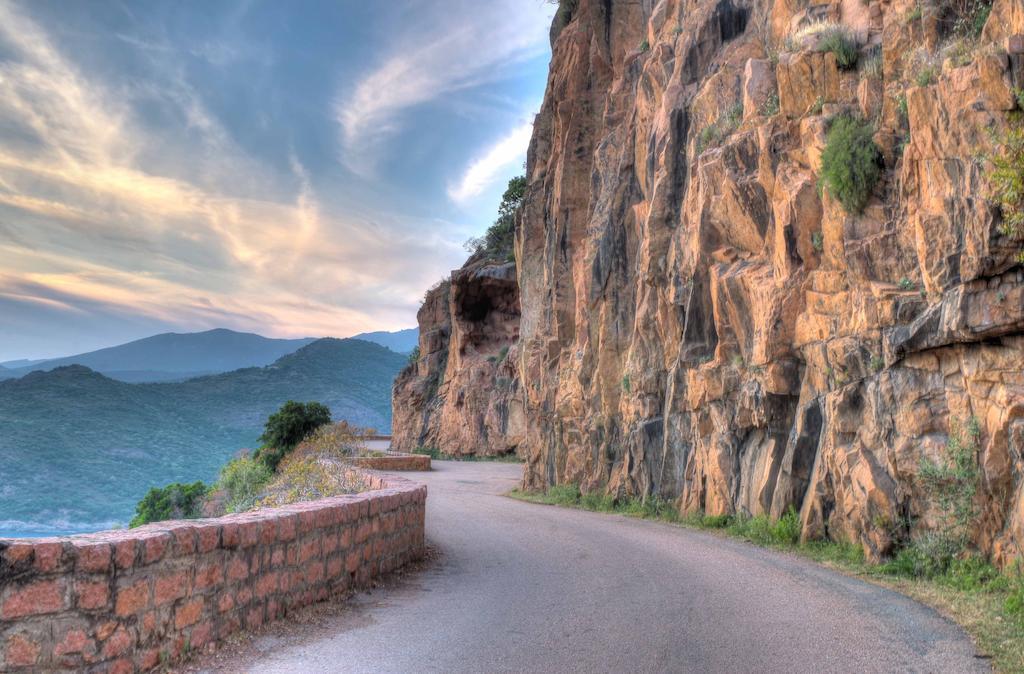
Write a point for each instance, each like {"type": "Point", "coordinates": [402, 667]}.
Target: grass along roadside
{"type": "Point", "coordinates": [988, 604]}
{"type": "Point", "coordinates": [436, 454]}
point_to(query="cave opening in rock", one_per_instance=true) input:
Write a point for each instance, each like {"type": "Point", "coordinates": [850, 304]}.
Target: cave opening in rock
{"type": "Point", "coordinates": [475, 308]}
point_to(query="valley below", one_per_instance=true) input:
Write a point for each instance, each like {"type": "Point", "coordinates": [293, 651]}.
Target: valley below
{"type": "Point", "coordinates": [79, 449]}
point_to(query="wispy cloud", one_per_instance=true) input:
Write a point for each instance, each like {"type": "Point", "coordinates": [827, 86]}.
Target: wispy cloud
{"type": "Point", "coordinates": [452, 48]}
{"type": "Point", "coordinates": [483, 171]}
{"type": "Point", "coordinates": [180, 172]}
{"type": "Point", "coordinates": [176, 225]}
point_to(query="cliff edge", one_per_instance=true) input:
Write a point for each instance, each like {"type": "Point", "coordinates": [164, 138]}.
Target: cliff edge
{"type": "Point", "coordinates": [763, 261]}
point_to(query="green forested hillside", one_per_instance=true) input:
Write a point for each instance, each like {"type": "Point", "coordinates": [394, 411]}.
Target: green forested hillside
{"type": "Point", "coordinates": [77, 449]}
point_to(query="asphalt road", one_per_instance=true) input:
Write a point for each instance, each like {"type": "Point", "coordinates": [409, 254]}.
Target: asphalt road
{"type": "Point", "coordinates": [520, 587]}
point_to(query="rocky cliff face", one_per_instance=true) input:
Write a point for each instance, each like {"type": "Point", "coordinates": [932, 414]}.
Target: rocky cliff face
{"type": "Point", "coordinates": [461, 395]}
{"type": "Point", "coordinates": [703, 322]}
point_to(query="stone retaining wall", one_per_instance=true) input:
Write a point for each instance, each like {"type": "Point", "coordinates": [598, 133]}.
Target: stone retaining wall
{"type": "Point", "coordinates": [125, 601]}
{"type": "Point", "coordinates": [394, 462]}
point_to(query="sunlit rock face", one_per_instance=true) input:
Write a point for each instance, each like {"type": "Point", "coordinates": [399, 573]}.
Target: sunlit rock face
{"type": "Point", "coordinates": [701, 321]}
{"type": "Point", "coordinates": [460, 395]}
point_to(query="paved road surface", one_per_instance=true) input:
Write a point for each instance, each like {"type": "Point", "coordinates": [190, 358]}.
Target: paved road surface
{"type": "Point", "coordinates": [529, 588]}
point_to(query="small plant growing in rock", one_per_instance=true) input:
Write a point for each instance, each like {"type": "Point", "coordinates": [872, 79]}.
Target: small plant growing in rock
{"type": "Point", "coordinates": [851, 162]}
{"type": "Point", "coordinates": [818, 241]}
{"type": "Point", "coordinates": [906, 284]}
{"type": "Point", "coordinates": [877, 363]}
{"type": "Point", "coordinates": [626, 386]}
{"type": "Point", "coordinates": [964, 18]}
{"type": "Point", "coordinates": [1007, 180]}
{"type": "Point", "coordinates": [677, 31]}
{"type": "Point", "coordinates": [817, 106]}
{"type": "Point", "coordinates": [872, 68]}
{"type": "Point", "coordinates": [926, 75]}
{"type": "Point", "coordinates": [770, 107]}
{"type": "Point", "coordinates": [915, 13]}
{"type": "Point", "coordinates": [414, 355]}
{"type": "Point", "coordinates": [715, 133]}
{"type": "Point", "coordinates": [737, 361]}
{"type": "Point", "coordinates": [645, 46]}
{"type": "Point", "coordinates": [953, 481]}
{"type": "Point", "coordinates": [840, 42]}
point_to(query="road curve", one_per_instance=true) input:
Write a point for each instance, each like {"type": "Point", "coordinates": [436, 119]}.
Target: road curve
{"type": "Point", "coordinates": [529, 588]}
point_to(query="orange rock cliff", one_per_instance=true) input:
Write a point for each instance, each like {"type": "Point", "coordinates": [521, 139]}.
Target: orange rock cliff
{"type": "Point", "coordinates": [693, 313]}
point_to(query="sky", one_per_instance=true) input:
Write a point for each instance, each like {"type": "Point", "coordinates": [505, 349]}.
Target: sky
{"type": "Point", "coordinates": [302, 168]}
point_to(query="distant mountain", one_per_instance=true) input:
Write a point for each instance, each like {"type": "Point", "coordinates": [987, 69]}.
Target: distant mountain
{"type": "Point", "coordinates": [174, 357]}
{"type": "Point", "coordinates": [24, 362]}
{"type": "Point", "coordinates": [79, 449]}
{"type": "Point", "coordinates": [402, 341]}
{"type": "Point", "coordinates": [5, 373]}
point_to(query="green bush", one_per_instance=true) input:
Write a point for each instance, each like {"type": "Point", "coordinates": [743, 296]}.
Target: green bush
{"type": "Point", "coordinates": [1008, 179]}
{"type": "Point", "coordinates": [718, 131]}
{"type": "Point", "coordinates": [174, 502]}
{"type": "Point", "coordinates": [840, 42]}
{"type": "Point", "coordinates": [851, 162]}
{"type": "Point", "coordinates": [414, 355]}
{"type": "Point", "coordinates": [964, 18]}
{"type": "Point", "coordinates": [433, 452]}
{"type": "Point", "coordinates": [287, 427]}
{"type": "Point", "coordinates": [563, 494]}
{"type": "Point", "coordinates": [761, 530]}
{"type": "Point", "coordinates": [243, 480]}
{"type": "Point", "coordinates": [597, 500]}
{"type": "Point", "coordinates": [1014, 603]}
{"type": "Point", "coordinates": [715, 521]}
{"type": "Point", "coordinates": [499, 240]}
{"type": "Point", "coordinates": [926, 75]}
{"type": "Point", "coordinates": [953, 482]}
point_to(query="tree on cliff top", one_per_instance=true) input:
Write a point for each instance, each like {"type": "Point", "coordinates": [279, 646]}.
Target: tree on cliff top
{"type": "Point", "coordinates": [174, 502]}
{"type": "Point", "coordinates": [287, 427]}
{"type": "Point", "coordinates": [499, 240]}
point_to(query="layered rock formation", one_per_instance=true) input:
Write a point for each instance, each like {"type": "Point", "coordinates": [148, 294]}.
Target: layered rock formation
{"type": "Point", "coordinates": [459, 395]}
{"type": "Point", "coordinates": [702, 322]}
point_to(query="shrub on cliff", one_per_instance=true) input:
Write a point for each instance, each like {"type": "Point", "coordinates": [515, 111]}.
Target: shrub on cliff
{"type": "Point", "coordinates": [840, 42]}
{"type": "Point", "coordinates": [243, 480]}
{"type": "Point", "coordinates": [287, 427]}
{"type": "Point", "coordinates": [827, 36]}
{"type": "Point", "coordinates": [498, 242]}
{"type": "Point", "coordinates": [310, 477]}
{"type": "Point", "coordinates": [174, 502]}
{"type": "Point", "coordinates": [851, 162]}
{"type": "Point", "coordinates": [1008, 178]}
{"type": "Point", "coordinates": [339, 441]}
{"type": "Point", "coordinates": [717, 132]}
